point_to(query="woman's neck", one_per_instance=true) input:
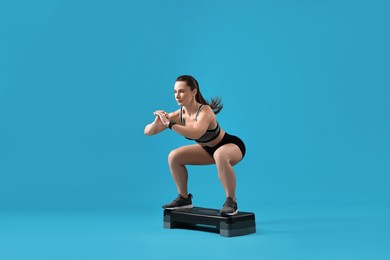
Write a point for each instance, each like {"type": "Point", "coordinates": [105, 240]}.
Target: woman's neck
{"type": "Point", "coordinates": [192, 108]}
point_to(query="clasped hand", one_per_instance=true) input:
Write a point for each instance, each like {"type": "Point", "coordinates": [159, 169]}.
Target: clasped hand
{"type": "Point", "coordinates": [161, 117]}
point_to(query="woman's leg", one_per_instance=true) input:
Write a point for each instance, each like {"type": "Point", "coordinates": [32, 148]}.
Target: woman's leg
{"type": "Point", "coordinates": [186, 155]}
{"type": "Point", "coordinates": [225, 158]}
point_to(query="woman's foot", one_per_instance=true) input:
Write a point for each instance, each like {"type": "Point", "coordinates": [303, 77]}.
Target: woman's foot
{"type": "Point", "coordinates": [180, 203]}
{"type": "Point", "coordinates": [229, 207]}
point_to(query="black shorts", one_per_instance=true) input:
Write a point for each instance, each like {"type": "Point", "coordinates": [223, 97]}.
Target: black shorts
{"type": "Point", "coordinates": [227, 139]}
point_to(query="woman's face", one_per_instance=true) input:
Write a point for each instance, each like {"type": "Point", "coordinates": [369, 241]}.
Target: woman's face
{"type": "Point", "coordinates": [183, 93]}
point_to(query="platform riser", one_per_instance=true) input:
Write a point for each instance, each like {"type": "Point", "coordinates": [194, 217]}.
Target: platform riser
{"type": "Point", "coordinates": [233, 230]}
{"type": "Point", "coordinates": [227, 226]}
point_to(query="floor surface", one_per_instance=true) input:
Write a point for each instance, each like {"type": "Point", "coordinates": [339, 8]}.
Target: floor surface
{"type": "Point", "coordinates": [282, 233]}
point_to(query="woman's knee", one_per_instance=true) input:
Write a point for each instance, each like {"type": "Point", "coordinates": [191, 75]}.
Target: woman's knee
{"type": "Point", "coordinates": [227, 155]}
{"type": "Point", "coordinates": [174, 157]}
{"type": "Point", "coordinates": [221, 157]}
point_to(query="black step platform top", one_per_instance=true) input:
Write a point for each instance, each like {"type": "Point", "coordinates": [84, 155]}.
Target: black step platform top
{"type": "Point", "coordinates": [198, 212]}
{"type": "Point", "coordinates": [240, 224]}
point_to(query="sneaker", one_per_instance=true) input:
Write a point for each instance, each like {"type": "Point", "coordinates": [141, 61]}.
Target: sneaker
{"type": "Point", "coordinates": [180, 203]}
{"type": "Point", "coordinates": [229, 208]}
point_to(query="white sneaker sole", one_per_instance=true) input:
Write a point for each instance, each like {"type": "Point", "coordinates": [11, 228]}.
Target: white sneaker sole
{"type": "Point", "coordinates": [229, 214]}
{"type": "Point", "coordinates": [182, 207]}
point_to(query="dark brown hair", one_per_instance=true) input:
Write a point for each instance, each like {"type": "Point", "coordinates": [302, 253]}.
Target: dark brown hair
{"type": "Point", "coordinates": [215, 103]}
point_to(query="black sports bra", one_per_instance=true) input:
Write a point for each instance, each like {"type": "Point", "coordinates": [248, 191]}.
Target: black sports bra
{"type": "Point", "coordinates": [209, 135]}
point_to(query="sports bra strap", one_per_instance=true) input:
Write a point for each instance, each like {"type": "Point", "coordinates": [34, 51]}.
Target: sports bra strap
{"type": "Point", "coordinates": [197, 112]}
{"type": "Point", "coordinates": [196, 116]}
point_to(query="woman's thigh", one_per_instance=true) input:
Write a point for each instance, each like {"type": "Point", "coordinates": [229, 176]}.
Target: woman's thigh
{"type": "Point", "coordinates": [230, 152]}
{"type": "Point", "coordinates": [190, 155]}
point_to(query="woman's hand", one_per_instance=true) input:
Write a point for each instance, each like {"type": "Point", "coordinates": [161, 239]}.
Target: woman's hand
{"type": "Point", "coordinates": [157, 121]}
{"type": "Point", "coordinates": [161, 116]}
{"type": "Point", "coordinates": [158, 124]}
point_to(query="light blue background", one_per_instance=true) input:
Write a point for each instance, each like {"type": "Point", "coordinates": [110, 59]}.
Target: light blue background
{"type": "Point", "coordinates": [305, 84]}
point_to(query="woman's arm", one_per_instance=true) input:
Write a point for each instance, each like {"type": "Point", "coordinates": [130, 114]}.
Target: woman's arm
{"type": "Point", "coordinates": [196, 130]}
{"type": "Point", "coordinates": [157, 125]}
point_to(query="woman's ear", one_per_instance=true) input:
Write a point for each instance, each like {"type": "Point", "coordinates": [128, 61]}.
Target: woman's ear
{"type": "Point", "coordinates": [194, 92]}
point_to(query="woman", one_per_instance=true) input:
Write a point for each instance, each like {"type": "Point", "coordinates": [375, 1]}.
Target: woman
{"type": "Point", "coordinates": [196, 120]}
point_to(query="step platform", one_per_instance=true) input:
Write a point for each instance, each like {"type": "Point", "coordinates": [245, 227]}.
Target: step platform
{"type": "Point", "coordinates": [204, 219]}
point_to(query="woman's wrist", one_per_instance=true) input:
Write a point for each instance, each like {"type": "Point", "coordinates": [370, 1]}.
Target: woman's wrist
{"type": "Point", "coordinates": [171, 123]}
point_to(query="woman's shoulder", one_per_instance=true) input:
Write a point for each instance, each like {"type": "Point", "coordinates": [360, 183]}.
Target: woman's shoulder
{"type": "Point", "coordinates": [207, 108]}
{"type": "Point", "coordinates": [207, 111]}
